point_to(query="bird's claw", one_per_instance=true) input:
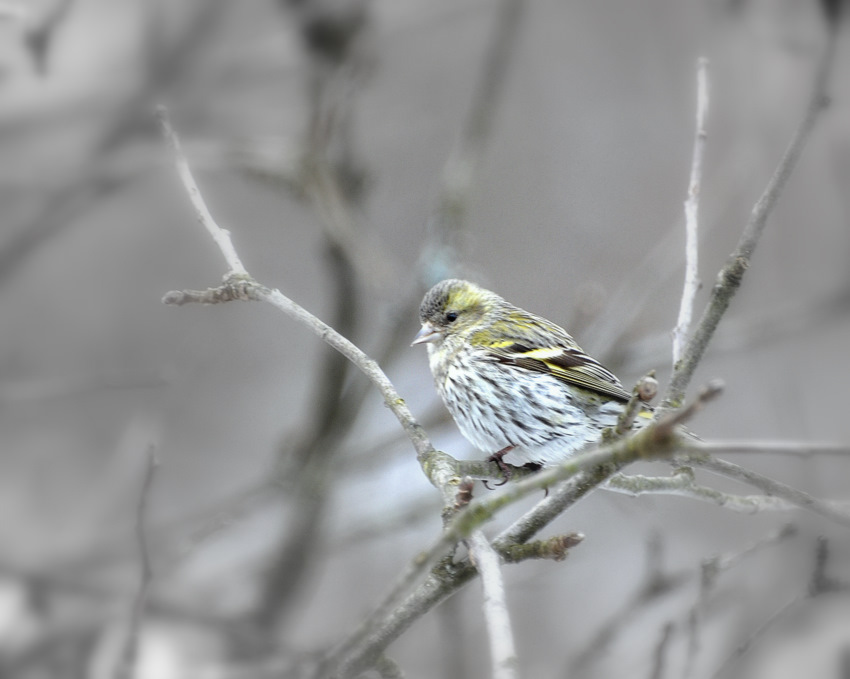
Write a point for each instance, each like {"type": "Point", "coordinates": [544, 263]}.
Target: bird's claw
{"type": "Point", "coordinates": [507, 473]}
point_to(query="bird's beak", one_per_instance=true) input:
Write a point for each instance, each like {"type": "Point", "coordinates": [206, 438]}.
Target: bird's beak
{"type": "Point", "coordinates": [427, 334]}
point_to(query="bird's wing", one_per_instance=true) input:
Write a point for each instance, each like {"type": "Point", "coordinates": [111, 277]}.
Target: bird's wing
{"type": "Point", "coordinates": [569, 365]}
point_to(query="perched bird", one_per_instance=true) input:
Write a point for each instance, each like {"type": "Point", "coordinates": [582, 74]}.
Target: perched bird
{"type": "Point", "coordinates": [516, 384]}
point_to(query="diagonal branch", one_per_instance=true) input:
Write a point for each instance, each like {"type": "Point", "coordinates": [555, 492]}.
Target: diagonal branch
{"type": "Point", "coordinates": [769, 486]}
{"type": "Point", "coordinates": [730, 276]}
{"type": "Point", "coordinates": [239, 285]}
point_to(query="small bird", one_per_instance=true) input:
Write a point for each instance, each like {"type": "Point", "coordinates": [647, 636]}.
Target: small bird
{"type": "Point", "coordinates": [515, 383]}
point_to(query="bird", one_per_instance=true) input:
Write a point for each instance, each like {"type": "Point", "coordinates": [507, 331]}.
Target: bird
{"type": "Point", "coordinates": [516, 384]}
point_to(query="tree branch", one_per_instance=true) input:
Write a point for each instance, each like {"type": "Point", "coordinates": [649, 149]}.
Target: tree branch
{"type": "Point", "coordinates": [691, 286]}
{"type": "Point", "coordinates": [769, 486]}
{"type": "Point", "coordinates": [127, 663]}
{"type": "Point", "coordinates": [730, 276]}
{"type": "Point", "coordinates": [238, 284]}
{"type": "Point", "coordinates": [502, 650]}
{"type": "Point", "coordinates": [202, 213]}
{"type": "Point", "coordinates": [682, 484]}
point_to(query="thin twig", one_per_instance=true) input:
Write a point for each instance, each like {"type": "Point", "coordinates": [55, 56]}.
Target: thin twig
{"type": "Point", "coordinates": [692, 284]}
{"type": "Point", "coordinates": [657, 583]}
{"type": "Point", "coordinates": [730, 276]}
{"type": "Point", "coordinates": [127, 663]}
{"type": "Point", "coordinates": [238, 284]}
{"type": "Point", "coordinates": [742, 648]}
{"type": "Point", "coordinates": [219, 235]}
{"type": "Point", "coordinates": [682, 484]}
{"type": "Point", "coordinates": [710, 571]}
{"type": "Point", "coordinates": [769, 486]}
{"type": "Point", "coordinates": [804, 449]}
{"type": "Point", "coordinates": [819, 583]}
{"type": "Point", "coordinates": [502, 649]}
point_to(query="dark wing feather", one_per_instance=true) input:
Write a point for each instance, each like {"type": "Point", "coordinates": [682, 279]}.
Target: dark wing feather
{"type": "Point", "coordinates": [568, 364]}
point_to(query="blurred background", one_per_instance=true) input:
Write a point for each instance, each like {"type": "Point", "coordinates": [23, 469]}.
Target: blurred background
{"type": "Point", "coordinates": [359, 151]}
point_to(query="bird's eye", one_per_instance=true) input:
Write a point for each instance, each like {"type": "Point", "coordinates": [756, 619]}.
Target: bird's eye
{"type": "Point", "coordinates": [451, 316]}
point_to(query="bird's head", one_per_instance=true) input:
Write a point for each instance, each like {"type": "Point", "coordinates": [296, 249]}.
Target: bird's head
{"type": "Point", "coordinates": [453, 308]}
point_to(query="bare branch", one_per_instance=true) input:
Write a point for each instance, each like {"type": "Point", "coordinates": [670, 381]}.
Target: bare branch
{"type": "Point", "coordinates": [40, 32]}
{"type": "Point", "coordinates": [819, 583]}
{"type": "Point", "coordinates": [439, 259]}
{"type": "Point", "coordinates": [586, 470]}
{"type": "Point", "coordinates": [803, 449]}
{"type": "Point", "coordinates": [127, 663]}
{"type": "Point", "coordinates": [682, 483]}
{"type": "Point", "coordinates": [660, 656]}
{"type": "Point", "coordinates": [692, 284]}
{"type": "Point", "coordinates": [767, 485]}
{"type": "Point", "coordinates": [742, 648]}
{"type": "Point", "coordinates": [730, 276]}
{"type": "Point", "coordinates": [502, 650]}
{"type": "Point", "coordinates": [710, 571]}
{"type": "Point", "coordinates": [238, 284]}
{"type": "Point", "coordinates": [657, 583]}
{"type": "Point", "coordinates": [219, 235]}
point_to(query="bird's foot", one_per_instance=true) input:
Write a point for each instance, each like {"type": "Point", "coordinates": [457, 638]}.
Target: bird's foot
{"type": "Point", "coordinates": [505, 469]}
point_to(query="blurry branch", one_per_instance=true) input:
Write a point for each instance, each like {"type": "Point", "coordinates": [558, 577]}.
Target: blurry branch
{"type": "Point", "coordinates": [41, 29]}
{"type": "Point", "coordinates": [829, 510]}
{"type": "Point", "coordinates": [385, 524]}
{"type": "Point", "coordinates": [659, 658]}
{"type": "Point", "coordinates": [441, 253]}
{"type": "Point", "coordinates": [127, 661]}
{"type": "Point", "coordinates": [819, 584]}
{"type": "Point", "coordinates": [736, 335]}
{"type": "Point", "coordinates": [802, 449]}
{"type": "Point", "coordinates": [96, 176]}
{"type": "Point", "coordinates": [502, 650]}
{"type": "Point", "coordinates": [658, 583]}
{"type": "Point", "coordinates": [730, 276]}
{"type": "Point", "coordinates": [710, 571]}
{"type": "Point", "coordinates": [691, 286]}
{"type": "Point", "coordinates": [336, 41]}
{"type": "Point", "coordinates": [743, 648]}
